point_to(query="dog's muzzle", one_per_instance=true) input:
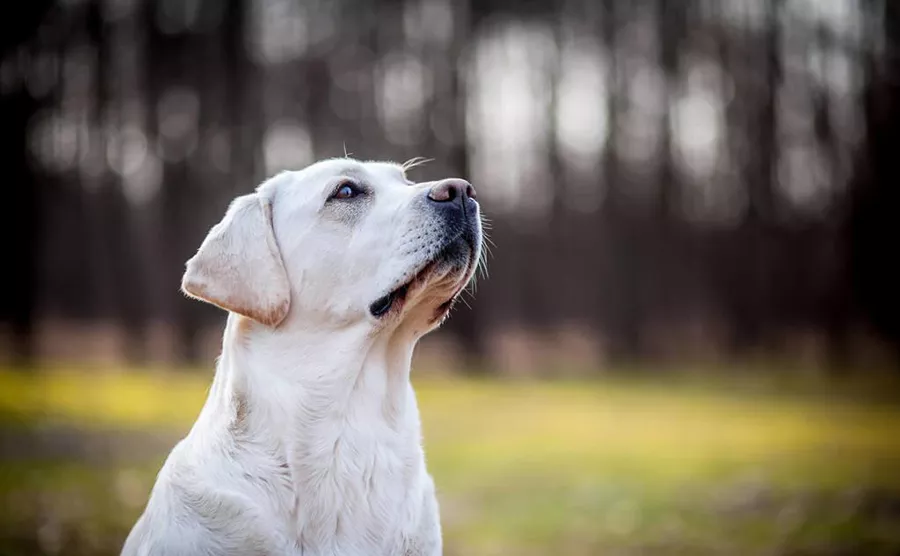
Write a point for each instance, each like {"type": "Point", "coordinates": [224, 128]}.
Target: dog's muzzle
{"type": "Point", "coordinates": [454, 203]}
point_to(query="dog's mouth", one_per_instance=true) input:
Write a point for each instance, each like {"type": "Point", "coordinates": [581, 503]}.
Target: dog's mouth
{"type": "Point", "coordinates": [397, 297]}
{"type": "Point", "coordinates": [447, 261]}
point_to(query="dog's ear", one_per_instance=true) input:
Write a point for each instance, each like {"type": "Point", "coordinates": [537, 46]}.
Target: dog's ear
{"type": "Point", "coordinates": [239, 267]}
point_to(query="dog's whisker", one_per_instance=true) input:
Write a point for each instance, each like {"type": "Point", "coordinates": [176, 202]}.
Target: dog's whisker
{"type": "Point", "coordinates": [415, 162]}
{"type": "Point", "coordinates": [481, 265]}
{"type": "Point", "coordinates": [472, 286]}
{"type": "Point", "coordinates": [485, 253]}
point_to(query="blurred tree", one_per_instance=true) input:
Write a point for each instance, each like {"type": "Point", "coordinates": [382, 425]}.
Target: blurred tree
{"type": "Point", "coordinates": [610, 107]}
{"type": "Point", "coordinates": [874, 227]}
{"type": "Point", "coordinates": [20, 240]}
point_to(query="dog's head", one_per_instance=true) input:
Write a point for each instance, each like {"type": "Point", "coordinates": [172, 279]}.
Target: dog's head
{"type": "Point", "coordinates": [341, 242]}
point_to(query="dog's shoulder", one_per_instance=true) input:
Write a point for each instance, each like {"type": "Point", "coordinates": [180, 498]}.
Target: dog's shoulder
{"type": "Point", "coordinates": [200, 523]}
{"type": "Point", "coordinates": [151, 537]}
{"type": "Point", "coordinates": [190, 514]}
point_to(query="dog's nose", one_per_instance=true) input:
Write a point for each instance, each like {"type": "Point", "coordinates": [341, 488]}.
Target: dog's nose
{"type": "Point", "coordinates": [452, 190]}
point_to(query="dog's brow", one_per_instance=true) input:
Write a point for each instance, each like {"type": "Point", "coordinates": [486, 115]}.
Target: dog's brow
{"type": "Point", "coordinates": [356, 173]}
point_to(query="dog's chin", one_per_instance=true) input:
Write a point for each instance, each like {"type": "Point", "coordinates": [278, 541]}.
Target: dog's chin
{"type": "Point", "coordinates": [437, 282]}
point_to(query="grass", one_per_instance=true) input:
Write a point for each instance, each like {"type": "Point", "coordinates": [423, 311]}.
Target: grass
{"type": "Point", "coordinates": [612, 467]}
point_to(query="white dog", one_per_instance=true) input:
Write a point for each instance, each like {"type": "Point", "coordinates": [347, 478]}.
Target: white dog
{"type": "Point", "coordinates": [309, 442]}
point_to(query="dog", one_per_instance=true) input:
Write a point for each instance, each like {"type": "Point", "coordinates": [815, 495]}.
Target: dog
{"type": "Point", "coordinates": [309, 442]}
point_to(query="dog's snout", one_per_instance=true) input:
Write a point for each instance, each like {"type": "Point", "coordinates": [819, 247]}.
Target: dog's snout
{"type": "Point", "coordinates": [452, 190]}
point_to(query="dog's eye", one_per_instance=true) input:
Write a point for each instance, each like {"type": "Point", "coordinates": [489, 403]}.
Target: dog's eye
{"type": "Point", "coordinates": [346, 191]}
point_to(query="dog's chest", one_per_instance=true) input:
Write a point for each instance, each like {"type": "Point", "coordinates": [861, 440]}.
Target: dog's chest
{"type": "Point", "coordinates": [357, 486]}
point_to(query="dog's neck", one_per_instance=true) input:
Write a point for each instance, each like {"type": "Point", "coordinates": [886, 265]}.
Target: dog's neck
{"type": "Point", "coordinates": [279, 383]}
{"type": "Point", "coordinates": [318, 425]}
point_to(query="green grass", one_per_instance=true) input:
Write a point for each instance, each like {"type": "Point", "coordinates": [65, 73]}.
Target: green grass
{"type": "Point", "coordinates": [612, 467]}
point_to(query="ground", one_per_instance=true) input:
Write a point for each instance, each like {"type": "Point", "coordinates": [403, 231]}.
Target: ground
{"type": "Point", "coordinates": [614, 466]}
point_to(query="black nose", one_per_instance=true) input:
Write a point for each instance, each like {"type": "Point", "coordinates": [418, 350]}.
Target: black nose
{"type": "Point", "coordinates": [452, 190]}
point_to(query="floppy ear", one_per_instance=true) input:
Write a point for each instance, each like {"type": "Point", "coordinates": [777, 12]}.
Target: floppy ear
{"type": "Point", "coordinates": [238, 266]}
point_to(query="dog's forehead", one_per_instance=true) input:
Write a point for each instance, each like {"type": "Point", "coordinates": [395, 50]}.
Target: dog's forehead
{"type": "Point", "coordinates": [385, 171]}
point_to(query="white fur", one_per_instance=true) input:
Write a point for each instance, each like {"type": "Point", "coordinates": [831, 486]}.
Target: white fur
{"type": "Point", "coordinates": [309, 442]}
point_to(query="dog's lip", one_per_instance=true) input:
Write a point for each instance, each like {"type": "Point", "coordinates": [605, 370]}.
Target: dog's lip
{"type": "Point", "coordinates": [471, 266]}
{"type": "Point", "coordinates": [445, 307]}
{"type": "Point", "coordinates": [394, 300]}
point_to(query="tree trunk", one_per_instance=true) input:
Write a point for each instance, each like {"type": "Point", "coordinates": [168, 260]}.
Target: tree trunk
{"type": "Point", "coordinates": [20, 228]}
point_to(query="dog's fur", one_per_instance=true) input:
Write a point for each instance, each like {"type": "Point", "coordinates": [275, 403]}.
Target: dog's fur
{"type": "Point", "coordinates": [309, 442]}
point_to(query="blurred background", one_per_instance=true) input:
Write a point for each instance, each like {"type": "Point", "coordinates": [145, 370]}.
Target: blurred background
{"type": "Point", "coordinates": [689, 338]}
